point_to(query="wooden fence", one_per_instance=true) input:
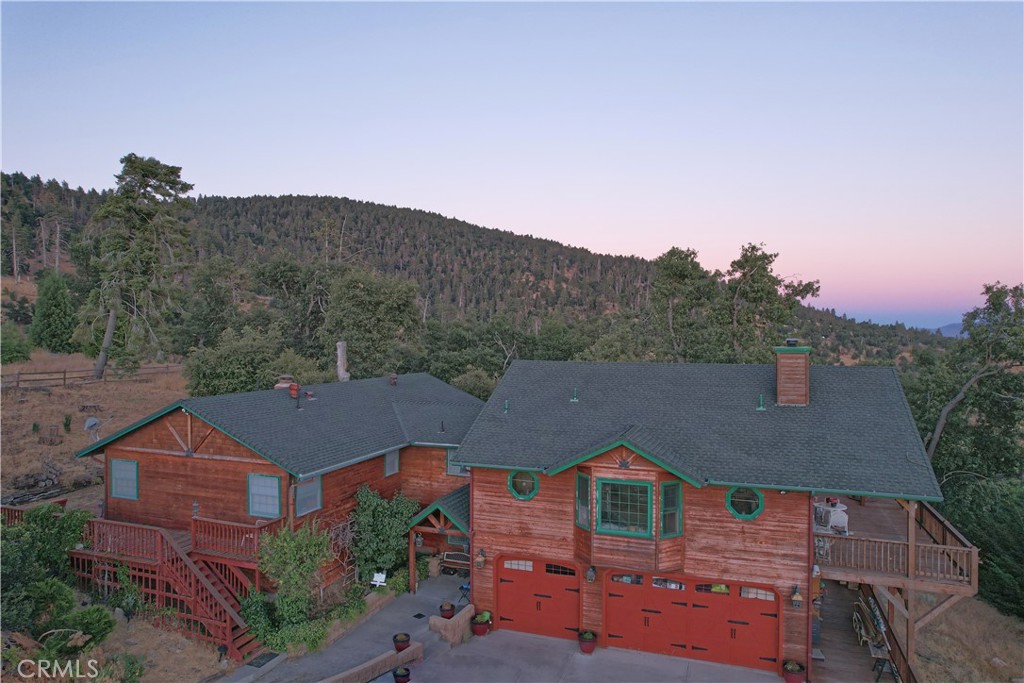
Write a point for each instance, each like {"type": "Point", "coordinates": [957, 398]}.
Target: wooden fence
{"type": "Point", "coordinates": [62, 378]}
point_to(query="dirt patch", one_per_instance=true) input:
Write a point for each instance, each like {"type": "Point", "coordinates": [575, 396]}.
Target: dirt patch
{"type": "Point", "coordinates": [34, 439]}
{"type": "Point", "coordinates": [169, 657]}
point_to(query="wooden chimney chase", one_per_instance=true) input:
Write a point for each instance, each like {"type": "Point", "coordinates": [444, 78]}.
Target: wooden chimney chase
{"type": "Point", "coordinates": [792, 374]}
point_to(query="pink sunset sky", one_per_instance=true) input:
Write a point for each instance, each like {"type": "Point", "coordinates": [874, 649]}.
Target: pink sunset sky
{"type": "Point", "coordinates": [877, 147]}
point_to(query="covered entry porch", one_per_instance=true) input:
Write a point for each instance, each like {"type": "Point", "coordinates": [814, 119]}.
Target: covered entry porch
{"type": "Point", "coordinates": [441, 529]}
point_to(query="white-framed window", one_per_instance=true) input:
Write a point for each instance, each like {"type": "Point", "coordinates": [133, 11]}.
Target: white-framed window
{"type": "Point", "coordinates": [124, 479]}
{"type": "Point", "coordinates": [264, 496]}
{"type": "Point", "coordinates": [456, 469]}
{"type": "Point", "coordinates": [391, 463]}
{"type": "Point", "coordinates": [308, 496]}
{"type": "Point", "coordinates": [521, 565]}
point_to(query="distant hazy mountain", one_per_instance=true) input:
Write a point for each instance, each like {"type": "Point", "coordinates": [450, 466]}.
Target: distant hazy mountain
{"type": "Point", "coordinates": [951, 330]}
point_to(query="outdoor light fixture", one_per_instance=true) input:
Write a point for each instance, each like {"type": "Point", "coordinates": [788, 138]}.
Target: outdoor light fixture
{"type": "Point", "coordinates": [418, 540]}
{"type": "Point", "coordinates": [798, 600]}
{"type": "Point", "coordinates": [480, 560]}
{"type": "Point", "coordinates": [591, 574]}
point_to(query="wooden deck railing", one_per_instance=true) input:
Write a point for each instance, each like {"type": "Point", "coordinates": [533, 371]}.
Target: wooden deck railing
{"type": "Point", "coordinates": [939, 563]}
{"type": "Point", "coordinates": [230, 539]}
{"type": "Point", "coordinates": [164, 573]}
{"type": "Point", "coordinates": [12, 515]}
{"type": "Point", "coordinates": [896, 654]}
{"type": "Point", "coordinates": [938, 528]}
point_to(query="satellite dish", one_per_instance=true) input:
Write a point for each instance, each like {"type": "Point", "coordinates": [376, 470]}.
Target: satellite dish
{"type": "Point", "coordinates": [92, 426]}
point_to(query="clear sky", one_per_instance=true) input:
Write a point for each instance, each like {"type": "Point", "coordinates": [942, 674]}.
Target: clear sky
{"type": "Point", "coordinates": [877, 147]}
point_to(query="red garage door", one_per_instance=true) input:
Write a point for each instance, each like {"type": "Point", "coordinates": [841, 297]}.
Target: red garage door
{"type": "Point", "coordinates": [537, 596]}
{"type": "Point", "coordinates": [719, 622]}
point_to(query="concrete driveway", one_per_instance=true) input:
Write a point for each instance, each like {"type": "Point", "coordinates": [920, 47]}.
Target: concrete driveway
{"type": "Point", "coordinates": [507, 657]}
{"type": "Point", "coordinates": [499, 657]}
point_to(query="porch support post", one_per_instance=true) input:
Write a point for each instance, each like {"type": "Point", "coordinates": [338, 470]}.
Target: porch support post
{"type": "Point", "coordinates": [412, 561]}
{"type": "Point", "coordinates": [911, 574]}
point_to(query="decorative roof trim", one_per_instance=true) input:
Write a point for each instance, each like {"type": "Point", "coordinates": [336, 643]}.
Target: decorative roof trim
{"type": "Point", "coordinates": [438, 505]}
{"type": "Point", "coordinates": [88, 450]}
{"type": "Point", "coordinates": [615, 444]}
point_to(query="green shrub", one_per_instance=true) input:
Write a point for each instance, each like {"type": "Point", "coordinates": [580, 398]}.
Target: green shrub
{"type": "Point", "coordinates": [14, 347]}
{"type": "Point", "coordinates": [123, 668]}
{"type": "Point", "coordinates": [398, 582]}
{"type": "Point", "coordinates": [422, 568]}
{"type": "Point", "coordinates": [96, 621]}
{"type": "Point", "coordinates": [383, 528]}
{"type": "Point", "coordinates": [52, 600]}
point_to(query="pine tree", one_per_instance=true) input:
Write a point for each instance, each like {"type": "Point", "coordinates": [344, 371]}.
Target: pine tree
{"type": "Point", "coordinates": [54, 320]}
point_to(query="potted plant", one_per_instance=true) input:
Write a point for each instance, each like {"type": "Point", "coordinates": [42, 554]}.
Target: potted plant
{"type": "Point", "coordinates": [588, 641]}
{"type": "Point", "coordinates": [793, 671]}
{"type": "Point", "coordinates": [447, 610]}
{"type": "Point", "coordinates": [481, 623]}
{"type": "Point", "coordinates": [401, 641]}
{"type": "Point", "coordinates": [401, 674]}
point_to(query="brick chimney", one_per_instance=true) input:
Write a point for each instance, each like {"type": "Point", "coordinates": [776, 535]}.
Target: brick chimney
{"type": "Point", "coordinates": [792, 374]}
{"type": "Point", "coordinates": [343, 375]}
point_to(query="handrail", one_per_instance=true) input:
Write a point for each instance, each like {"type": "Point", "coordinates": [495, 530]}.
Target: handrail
{"type": "Point", "coordinates": [899, 658]}
{"type": "Point", "coordinates": [143, 542]}
{"type": "Point", "coordinates": [948, 531]}
{"type": "Point", "coordinates": [230, 538]}
{"type": "Point", "coordinates": [943, 563]}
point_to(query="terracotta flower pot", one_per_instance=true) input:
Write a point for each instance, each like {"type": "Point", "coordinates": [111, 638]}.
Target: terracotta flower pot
{"type": "Point", "coordinates": [447, 610]}
{"type": "Point", "coordinates": [480, 629]}
{"type": "Point", "coordinates": [401, 674]}
{"type": "Point", "coordinates": [587, 645]}
{"type": "Point", "coordinates": [794, 676]}
{"type": "Point", "coordinates": [401, 641]}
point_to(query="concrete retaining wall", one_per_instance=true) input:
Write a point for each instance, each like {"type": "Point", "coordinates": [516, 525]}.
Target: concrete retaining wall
{"type": "Point", "coordinates": [455, 630]}
{"type": "Point", "coordinates": [379, 665]}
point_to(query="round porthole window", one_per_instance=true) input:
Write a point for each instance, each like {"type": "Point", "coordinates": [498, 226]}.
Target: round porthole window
{"type": "Point", "coordinates": [523, 485]}
{"type": "Point", "coordinates": [744, 503]}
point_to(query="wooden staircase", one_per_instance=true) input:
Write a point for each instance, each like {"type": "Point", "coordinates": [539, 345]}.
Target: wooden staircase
{"type": "Point", "coordinates": [199, 598]}
{"type": "Point", "coordinates": [242, 641]}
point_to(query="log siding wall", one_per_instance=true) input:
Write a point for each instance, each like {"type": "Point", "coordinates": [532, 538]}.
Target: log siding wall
{"type": "Point", "coordinates": [769, 550]}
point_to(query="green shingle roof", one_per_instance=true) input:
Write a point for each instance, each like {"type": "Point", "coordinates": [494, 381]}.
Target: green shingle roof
{"type": "Point", "coordinates": [345, 423]}
{"type": "Point", "coordinates": [454, 506]}
{"type": "Point", "coordinates": [701, 422]}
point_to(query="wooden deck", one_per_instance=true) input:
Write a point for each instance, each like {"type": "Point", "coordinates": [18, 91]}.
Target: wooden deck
{"type": "Point", "coordinates": [877, 550]}
{"type": "Point", "coordinates": [846, 661]}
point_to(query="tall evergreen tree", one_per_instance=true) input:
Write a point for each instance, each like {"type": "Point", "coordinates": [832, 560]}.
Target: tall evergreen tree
{"type": "Point", "coordinates": [54, 321]}
{"type": "Point", "coordinates": [138, 241]}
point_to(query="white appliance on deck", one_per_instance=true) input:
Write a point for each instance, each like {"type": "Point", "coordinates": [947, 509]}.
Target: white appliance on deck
{"type": "Point", "coordinates": [830, 518]}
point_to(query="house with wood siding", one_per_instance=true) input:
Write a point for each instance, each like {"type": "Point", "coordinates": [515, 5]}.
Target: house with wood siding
{"type": "Point", "coordinates": [670, 508]}
{"type": "Point", "coordinates": [201, 480]}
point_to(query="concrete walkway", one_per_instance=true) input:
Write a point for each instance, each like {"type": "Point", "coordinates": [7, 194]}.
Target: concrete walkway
{"type": "Point", "coordinates": [374, 636]}
{"type": "Point", "coordinates": [499, 657]}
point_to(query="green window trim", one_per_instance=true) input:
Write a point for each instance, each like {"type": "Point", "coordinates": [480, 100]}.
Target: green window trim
{"type": "Point", "coordinates": [114, 478]}
{"type": "Point", "coordinates": [523, 496]}
{"type": "Point", "coordinates": [677, 510]}
{"type": "Point", "coordinates": [582, 484]}
{"type": "Point", "coordinates": [318, 481]}
{"type": "Point", "coordinates": [649, 486]}
{"type": "Point", "coordinates": [742, 515]}
{"type": "Point", "coordinates": [248, 495]}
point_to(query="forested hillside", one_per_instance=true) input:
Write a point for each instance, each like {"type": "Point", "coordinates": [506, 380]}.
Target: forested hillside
{"type": "Point", "coordinates": [460, 271]}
